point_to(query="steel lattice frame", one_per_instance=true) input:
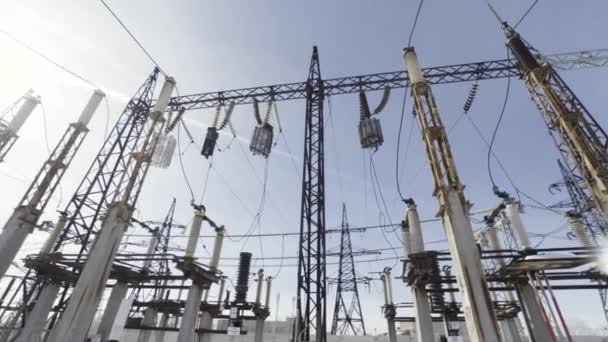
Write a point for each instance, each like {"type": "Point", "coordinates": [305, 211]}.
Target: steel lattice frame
{"type": "Point", "coordinates": [104, 178]}
{"type": "Point", "coordinates": [592, 218]}
{"type": "Point", "coordinates": [311, 299]}
{"type": "Point", "coordinates": [348, 317]}
{"type": "Point", "coordinates": [97, 188]}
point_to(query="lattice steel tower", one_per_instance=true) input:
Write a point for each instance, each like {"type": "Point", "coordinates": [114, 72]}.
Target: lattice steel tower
{"type": "Point", "coordinates": [311, 299]}
{"type": "Point", "coordinates": [348, 317]}
{"type": "Point", "coordinates": [578, 136]}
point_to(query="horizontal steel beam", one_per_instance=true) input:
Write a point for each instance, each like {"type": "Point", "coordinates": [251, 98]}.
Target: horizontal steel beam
{"type": "Point", "coordinates": [396, 79]}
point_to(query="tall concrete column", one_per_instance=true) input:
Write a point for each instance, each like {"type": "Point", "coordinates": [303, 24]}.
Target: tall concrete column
{"type": "Point", "coordinates": [259, 322]}
{"type": "Point", "coordinates": [206, 322]}
{"type": "Point", "coordinates": [78, 316]}
{"type": "Point", "coordinates": [160, 334]}
{"type": "Point", "coordinates": [535, 316]}
{"type": "Point", "coordinates": [28, 212]}
{"type": "Point", "coordinates": [478, 310]}
{"type": "Point", "coordinates": [389, 305]}
{"type": "Point", "coordinates": [35, 322]}
{"type": "Point", "coordinates": [188, 323]}
{"type": "Point", "coordinates": [195, 293]}
{"type": "Point", "coordinates": [117, 295]}
{"type": "Point", "coordinates": [17, 228]}
{"type": "Point", "coordinates": [424, 321]}
{"type": "Point", "coordinates": [148, 321]}
{"type": "Point", "coordinates": [508, 326]}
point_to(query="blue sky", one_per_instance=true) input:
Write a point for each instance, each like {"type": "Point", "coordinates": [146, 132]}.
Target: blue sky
{"type": "Point", "coordinates": [220, 45]}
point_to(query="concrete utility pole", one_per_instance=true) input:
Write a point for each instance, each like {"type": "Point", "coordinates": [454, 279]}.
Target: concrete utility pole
{"type": "Point", "coordinates": [193, 302]}
{"type": "Point", "coordinates": [78, 315]}
{"type": "Point", "coordinates": [261, 312]}
{"type": "Point", "coordinates": [454, 209]}
{"type": "Point", "coordinates": [206, 320]}
{"type": "Point", "coordinates": [25, 217]}
{"type": "Point", "coordinates": [117, 295]}
{"type": "Point", "coordinates": [35, 324]}
{"type": "Point", "coordinates": [535, 313]}
{"type": "Point", "coordinates": [195, 293]}
{"type": "Point", "coordinates": [424, 321]}
{"type": "Point", "coordinates": [8, 130]}
{"type": "Point", "coordinates": [509, 326]}
{"type": "Point", "coordinates": [389, 305]}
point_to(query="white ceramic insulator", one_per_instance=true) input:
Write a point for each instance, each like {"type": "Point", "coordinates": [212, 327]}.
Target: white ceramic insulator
{"type": "Point", "coordinates": [493, 242]}
{"type": "Point", "coordinates": [91, 107]}
{"type": "Point", "coordinates": [27, 107]}
{"type": "Point", "coordinates": [579, 230]}
{"type": "Point", "coordinates": [165, 95]}
{"type": "Point", "coordinates": [258, 294]}
{"type": "Point", "coordinates": [57, 229]}
{"type": "Point", "coordinates": [150, 252]}
{"type": "Point", "coordinates": [389, 288]}
{"type": "Point", "coordinates": [268, 284]}
{"type": "Point", "coordinates": [220, 295]}
{"type": "Point", "coordinates": [413, 67]}
{"type": "Point", "coordinates": [384, 287]}
{"type": "Point", "coordinates": [405, 236]}
{"type": "Point", "coordinates": [416, 240]}
{"type": "Point", "coordinates": [217, 248]}
{"type": "Point", "coordinates": [195, 231]}
{"type": "Point", "coordinates": [512, 211]}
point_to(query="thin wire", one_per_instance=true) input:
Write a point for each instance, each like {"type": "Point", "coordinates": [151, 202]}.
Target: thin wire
{"type": "Point", "coordinates": [338, 159]}
{"type": "Point", "coordinates": [22, 180]}
{"type": "Point", "coordinates": [409, 41]}
{"type": "Point", "coordinates": [388, 241]}
{"type": "Point", "coordinates": [181, 163]}
{"type": "Point", "coordinates": [204, 191]}
{"type": "Point", "coordinates": [291, 157]}
{"type": "Point", "coordinates": [502, 112]}
{"type": "Point", "coordinates": [48, 59]}
{"type": "Point", "coordinates": [227, 185]}
{"type": "Point", "coordinates": [48, 149]}
{"type": "Point", "coordinates": [45, 127]}
{"type": "Point", "coordinates": [525, 14]}
{"type": "Point", "coordinates": [107, 127]}
{"type": "Point", "coordinates": [282, 258]}
{"type": "Point", "coordinates": [132, 36]}
{"type": "Point", "coordinates": [500, 164]}
{"type": "Point", "coordinates": [399, 144]}
{"type": "Point", "coordinates": [374, 176]}
{"type": "Point", "coordinates": [373, 171]}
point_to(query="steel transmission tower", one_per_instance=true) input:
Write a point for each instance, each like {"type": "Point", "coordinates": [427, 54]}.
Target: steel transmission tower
{"type": "Point", "coordinates": [348, 317]}
{"type": "Point", "coordinates": [578, 136]}
{"type": "Point", "coordinates": [311, 301]}
{"type": "Point", "coordinates": [129, 175]}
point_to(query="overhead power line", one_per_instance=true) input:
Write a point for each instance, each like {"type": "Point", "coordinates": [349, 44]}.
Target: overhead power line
{"type": "Point", "coordinates": [132, 36]}
{"type": "Point", "coordinates": [409, 41]}
{"type": "Point", "coordinates": [48, 59]}
{"type": "Point", "coordinates": [360, 229]}
{"type": "Point", "coordinates": [525, 14]}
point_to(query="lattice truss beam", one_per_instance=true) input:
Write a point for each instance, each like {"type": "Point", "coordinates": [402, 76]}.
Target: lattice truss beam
{"type": "Point", "coordinates": [501, 68]}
